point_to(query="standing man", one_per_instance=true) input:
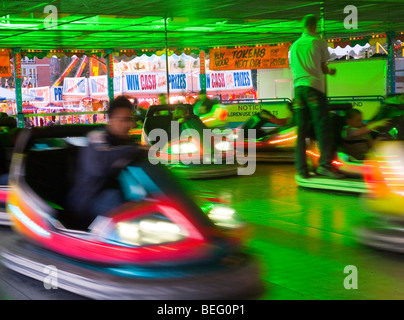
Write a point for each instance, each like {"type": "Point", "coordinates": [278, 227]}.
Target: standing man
{"type": "Point", "coordinates": [308, 60]}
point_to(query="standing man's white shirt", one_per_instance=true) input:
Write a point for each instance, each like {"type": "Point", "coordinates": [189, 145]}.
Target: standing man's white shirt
{"type": "Point", "coordinates": [307, 54]}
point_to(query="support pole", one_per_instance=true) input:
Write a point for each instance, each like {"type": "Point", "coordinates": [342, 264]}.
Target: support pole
{"type": "Point", "coordinates": [18, 91]}
{"type": "Point", "coordinates": [110, 74]}
{"type": "Point", "coordinates": [391, 63]}
{"type": "Point", "coordinates": [202, 71]}
{"type": "Point", "coordinates": [167, 71]}
{"type": "Point", "coordinates": [322, 34]}
{"type": "Point", "coordinates": [322, 21]}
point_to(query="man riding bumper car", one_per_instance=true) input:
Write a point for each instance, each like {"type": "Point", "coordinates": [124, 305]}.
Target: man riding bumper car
{"type": "Point", "coordinates": [178, 139]}
{"type": "Point", "coordinates": [157, 244]}
{"type": "Point", "coordinates": [271, 145]}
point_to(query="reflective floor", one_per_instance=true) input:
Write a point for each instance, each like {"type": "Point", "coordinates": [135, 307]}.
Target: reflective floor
{"type": "Point", "coordinates": [303, 239]}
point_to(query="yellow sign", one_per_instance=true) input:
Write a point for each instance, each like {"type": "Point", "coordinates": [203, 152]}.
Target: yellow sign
{"type": "Point", "coordinates": [5, 69]}
{"type": "Point", "coordinates": [249, 58]}
{"type": "Point", "coordinates": [241, 112]}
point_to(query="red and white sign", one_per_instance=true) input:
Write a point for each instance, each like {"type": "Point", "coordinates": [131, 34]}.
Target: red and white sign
{"type": "Point", "coordinates": [154, 82]}
{"type": "Point", "coordinates": [228, 80]}
{"type": "Point", "coordinates": [41, 92]}
{"type": "Point", "coordinates": [99, 86]}
{"type": "Point", "coordinates": [75, 87]}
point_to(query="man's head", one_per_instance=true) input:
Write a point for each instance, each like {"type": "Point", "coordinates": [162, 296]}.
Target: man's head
{"type": "Point", "coordinates": [309, 23]}
{"type": "Point", "coordinates": [120, 113]}
{"type": "Point", "coordinates": [162, 99]}
{"type": "Point", "coordinates": [353, 118]}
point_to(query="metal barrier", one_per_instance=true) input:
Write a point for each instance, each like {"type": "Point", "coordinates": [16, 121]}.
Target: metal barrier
{"type": "Point", "coordinates": [266, 100]}
{"type": "Point", "coordinates": [356, 98]}
{"type": "Point", "coordinates": [58, 116]}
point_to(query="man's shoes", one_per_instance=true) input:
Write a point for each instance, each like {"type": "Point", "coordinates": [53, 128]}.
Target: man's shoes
{"type": "Point", "coordinates": [322, 171]}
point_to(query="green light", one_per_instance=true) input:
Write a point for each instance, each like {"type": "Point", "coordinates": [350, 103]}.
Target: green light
{"type": "Point", "coordinates": [393, 132]}
{"type": "Point", "coordinates": [89, 27]}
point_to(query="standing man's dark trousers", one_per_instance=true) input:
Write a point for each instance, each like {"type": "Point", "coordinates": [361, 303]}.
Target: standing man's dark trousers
{"type": "Point", "coordinates": [310, 107]}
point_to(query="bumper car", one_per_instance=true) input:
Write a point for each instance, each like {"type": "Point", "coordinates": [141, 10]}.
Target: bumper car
{"type": "Point", "coordinates": [385, 200]}
{"type": "Point", "coordinates": [385, 179]}
{"type": "Point", "coordinates": [157, 245]}
{"type": "Point", "coordinates": [136, 133]}
{"type": "Point", "coordinates": [354, 170]}
{"type": "Point", "coordinates": [189, 158]}
{"type": "Point", "coordinates": [274, 145]}
{"type": "Point", "coordinates": [212, 114]}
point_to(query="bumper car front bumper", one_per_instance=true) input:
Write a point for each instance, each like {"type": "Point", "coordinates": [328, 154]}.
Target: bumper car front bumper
{"type": "Point", "coordinates": [236, 277]}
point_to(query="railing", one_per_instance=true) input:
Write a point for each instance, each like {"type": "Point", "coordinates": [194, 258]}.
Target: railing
{"type": "Point", "coordinates": [265, 100]}
{"type": "Point", "coordinates": [330, 99]}
{"type": "Point", "coordinates": [58, 116]}
{"type": "Point", "coordinates": [356, 98]}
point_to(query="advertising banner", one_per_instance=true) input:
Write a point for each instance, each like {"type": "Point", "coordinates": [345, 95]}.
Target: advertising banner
{"type": "Point", "coordinates": [56, 94]}
{"type": "Point", "coordinates": [228, 80]}
{"type": "Point", "coordinates": [75, 87]}
{"type": "Point", "coordinates": [99, 86]}
{"type": "Point", "coordinates": [5, 69]}
{"type": "Point", "coordinates": [249, 58]}
{"type": "Point", "coordinates": [154, 82]}
{"type": "Point", "coordinates": [41, 92]}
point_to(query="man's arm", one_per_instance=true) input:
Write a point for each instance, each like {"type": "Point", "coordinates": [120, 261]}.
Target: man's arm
{"type": "Point", "coordinates": [327, 70]}
{"type": "Point", "coordinates": [325, 56]}
{"type": "Point", "coordinates": [370, 126]}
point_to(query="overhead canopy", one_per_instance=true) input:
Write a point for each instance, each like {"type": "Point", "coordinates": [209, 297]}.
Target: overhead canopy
{"type": "Point", "coordinates": [126, 24]}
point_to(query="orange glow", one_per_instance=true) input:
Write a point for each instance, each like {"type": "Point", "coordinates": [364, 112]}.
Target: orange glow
{"type": "Point", "coordinates": [207, 120]}
{"type": "Point", "coordinates": [316, 155]}
{"type": "Point", "coordinates": [282, 140]}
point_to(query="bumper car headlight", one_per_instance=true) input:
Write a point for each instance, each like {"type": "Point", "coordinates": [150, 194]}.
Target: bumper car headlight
{"type": "Point", "coordinates": [223, 216]}
{"type": "Point", "coordinates": [149, 230]}
{"type": "Point", "coordinates": [223, 146]}
{"type": "Point", "coordinates": [184, 148]}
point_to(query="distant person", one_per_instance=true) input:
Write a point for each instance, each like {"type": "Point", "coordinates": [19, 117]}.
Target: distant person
{"type": "Point", "coordinates": [180, 114]}
{"type": "Point", "coordinates": [162, 99]}
{"type": "Point", "coordinates": [188, 120]}
{"type": "Point", "coordinates": [204, 105]}
{"type": "Point", "coordinates": [257, 121]}
{"type": "Point", "coordinates": [356, 136]}
{"type": "Point", "coordinates": [308, 61]}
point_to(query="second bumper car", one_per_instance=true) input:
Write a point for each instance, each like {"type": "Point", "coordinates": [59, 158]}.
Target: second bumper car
{"type": "Point", "coordinates": [189, 158]}
{"type": "Point", "coordinates": [354, 170]}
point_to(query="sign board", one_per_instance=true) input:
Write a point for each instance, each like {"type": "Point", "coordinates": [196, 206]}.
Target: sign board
{"type": "Point", "coordinates": [241, 112]}
{"type": "Point", "coordinates": [154, 82]}
{"type": "Point", "coordinates": [40, 92]}
{"type": "Point", "coordinates": [75, 86]}
{"type": "Point", "coordinates": [56, 94]}
{"type": "Point", "coordinates": [5, 69]}
{"type": "Point", "coordinates": [261, 57]}
{"type": "Point", "coordinates": [228, 80]}
{"type": "Point", "coordinates": [99, 85]}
